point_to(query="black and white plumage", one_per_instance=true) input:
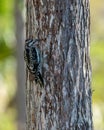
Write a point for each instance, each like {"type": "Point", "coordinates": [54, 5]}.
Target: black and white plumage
{"type": "Point", "coordinates": [32, 57]}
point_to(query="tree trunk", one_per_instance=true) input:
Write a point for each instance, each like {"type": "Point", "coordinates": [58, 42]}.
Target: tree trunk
{"type": "Point", "coordinates": [20, 95]}
{"type": "Point", "coordinates": [65, 101]}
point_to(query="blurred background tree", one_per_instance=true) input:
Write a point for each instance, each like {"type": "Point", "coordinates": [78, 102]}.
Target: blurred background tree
{"type": "Point", "coordinates": [12, 81]}
{"type": "Point", "coordinates": [10, 63]}
{"type": "Point", "coordinates": [20, 75]}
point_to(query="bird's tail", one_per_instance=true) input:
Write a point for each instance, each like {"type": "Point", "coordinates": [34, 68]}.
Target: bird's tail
{"type": "Point", "coordinates": [39, 80]}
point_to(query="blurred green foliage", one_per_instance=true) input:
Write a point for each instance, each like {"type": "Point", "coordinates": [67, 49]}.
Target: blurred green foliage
{"type": "Point", "coordinates": [7, 65]}
{"type": "Point", "coordinates": [7, 119]}
{"type": "Point", "coordinates": [97, 58]}
{"type": "Point", "coordinates": [6, 29]}
{"type": "Point", "coordinates": [6, 18]}
{"type": "Point", "coordinates": [5, 51]}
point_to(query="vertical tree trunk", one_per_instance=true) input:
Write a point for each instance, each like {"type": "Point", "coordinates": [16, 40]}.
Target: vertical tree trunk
{"type": "Point", "coordinates": [20, 95]}
{"type": "Point", "coordinates": [65, 101]}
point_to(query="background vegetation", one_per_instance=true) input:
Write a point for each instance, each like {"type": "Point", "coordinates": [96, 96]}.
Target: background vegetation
{"type": "Point", "coordinates": [8, 64]}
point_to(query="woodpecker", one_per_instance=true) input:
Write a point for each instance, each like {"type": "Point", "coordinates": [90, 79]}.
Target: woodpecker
{"type": "Point", "coordinates": [32, 57]}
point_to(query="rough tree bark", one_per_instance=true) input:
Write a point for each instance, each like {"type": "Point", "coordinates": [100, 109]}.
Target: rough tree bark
{"type": "Point", "coordinates": [65, 101]}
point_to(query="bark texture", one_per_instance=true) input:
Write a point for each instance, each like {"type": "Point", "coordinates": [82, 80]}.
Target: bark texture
{"type": "Point", "coordinates": [65, 101]}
